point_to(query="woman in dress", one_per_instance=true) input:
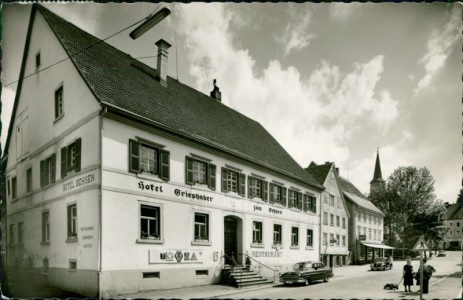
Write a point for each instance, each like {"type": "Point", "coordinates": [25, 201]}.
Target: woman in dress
{"type": "Point", "coordinates": [408, 275]}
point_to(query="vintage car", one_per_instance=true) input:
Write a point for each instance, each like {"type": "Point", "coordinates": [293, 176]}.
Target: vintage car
{"type": "Point", "coordinates": [381, 263]}
{"type": "Point", "coordinates": [307, 272]}
{"type": "Point", "coordinates": [441, 253]}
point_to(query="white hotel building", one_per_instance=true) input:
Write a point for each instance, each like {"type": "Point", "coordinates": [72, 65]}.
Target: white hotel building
{"type": "Point", "coordinates": [121, 179]}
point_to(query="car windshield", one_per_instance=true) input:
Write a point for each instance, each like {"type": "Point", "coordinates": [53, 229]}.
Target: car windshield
{"type": "Point", "coordinates": [301, 266]}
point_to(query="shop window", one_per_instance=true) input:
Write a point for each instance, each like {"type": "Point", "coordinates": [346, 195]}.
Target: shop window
{"type": "Point", "coordinates": [331, 220]}
{"type": "Point", "coordinates": [71, 158]}
{"type": "Point", "coordinates": [325, 238]}
{"type": "Point", "coordinates": [48, 170]}
{"type": "Point", "coordinates": [343, 223]}
{"type": "Point", "coordinates": [59, 102]}
{"type": "Point", "coordinates": [310, 203]}
{"type": "Point", "coordinates": [20, 234]}
{"type": "Point", "coordinates": [45, 227]}
{"type": "Point", "coordinates": [309, 238]}
{"type": "Point", "coordinates": [72, 221]}
{"type": "Point", "coordinates": [325, 218]}
{"type": "Point", "coordinates": [146, 158]}
{"type": "Point", "coordinates": [233, 181]}
{"type": "Point", "coordinates": [201, 227]}
{"type": "Point", "coordinates": [277, 234]}
{"type": "Point", "coordinates": [200, 172]}
{"type": "Point", "coordinates": [295, 199]}
{"type": "Point", "coordinates": [331, 200]}
{"type": "Point", "coordinates": [29, 180]}
{"type": "Point", "coordinates": [277, 194]}
{"type": "Point", "coordinates": [257, 188]}
{"type": "Point", "coordinates": [338, 224]}
{"type": "Point", "coordinates": [257, 233]}
{"type": "Point", "coordinates": [150, 222]}
{"type": "Point", "coordinates": [14, 188]}
{"type": "Point", "coordinates": [294, 236]}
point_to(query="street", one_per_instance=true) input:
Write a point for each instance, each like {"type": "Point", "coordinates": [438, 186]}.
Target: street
{"type": "Point", "coordinates": [360, 282]}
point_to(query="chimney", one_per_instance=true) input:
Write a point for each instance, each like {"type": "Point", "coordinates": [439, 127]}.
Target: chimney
{"type": "Point", "coordinates": [163, 46]}
{"type": "Point", "coordinates": [215, 93]}
{"type": "Point", "coordinates": [337, 171]}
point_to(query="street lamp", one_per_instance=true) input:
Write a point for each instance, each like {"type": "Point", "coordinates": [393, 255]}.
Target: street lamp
{"type": "Point", "coordinates": [150, 22]}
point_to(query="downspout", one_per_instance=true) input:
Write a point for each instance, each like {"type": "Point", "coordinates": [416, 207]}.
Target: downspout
{"type": "Point", "coordinates": [100, 198]}
{"type": "Point", "coordinates": [320, 238]}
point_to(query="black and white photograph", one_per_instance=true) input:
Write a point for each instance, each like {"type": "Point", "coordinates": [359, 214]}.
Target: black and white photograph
{"type": "Point", "coordinates": [231, 150]}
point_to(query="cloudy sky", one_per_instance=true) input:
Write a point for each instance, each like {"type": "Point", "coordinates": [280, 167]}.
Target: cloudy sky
{"type": "Point", "coordinates": [331, 82]}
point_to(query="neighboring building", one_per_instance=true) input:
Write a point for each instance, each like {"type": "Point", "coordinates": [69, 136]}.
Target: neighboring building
{"type": "Point", "coordinates": [366, 224]}
{"type": "Point", "coordinates": [377, 184]}
{"type": "Point", "coordinates": [453, 239]}
{"type": "Point", "coordinates": [334, 215]}
{"type": "Point", "coordinates": [121, 179]}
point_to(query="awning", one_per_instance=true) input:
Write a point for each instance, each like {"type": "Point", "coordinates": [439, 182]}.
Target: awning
{"type": "Point", "coordinates": [372, 245]}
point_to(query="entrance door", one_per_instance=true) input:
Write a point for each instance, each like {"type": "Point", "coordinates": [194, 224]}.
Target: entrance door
{"type": "Point", "coordinates": [230, 239]}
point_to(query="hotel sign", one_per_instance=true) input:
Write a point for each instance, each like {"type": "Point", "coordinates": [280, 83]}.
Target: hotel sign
{"type": "Point", "coordinates": [79, 181]}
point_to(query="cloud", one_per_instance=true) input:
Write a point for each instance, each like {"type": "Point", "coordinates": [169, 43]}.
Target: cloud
{"type": "Point", "coordinates": [439, 47]}
{"type": "Point", "coordinates": [343, 11]}
{"type": "Point", "coordinates": [295, 36]}
{"type": "Point", "coordinates": [313, 118]}
{"type": "Point", "coordinates": [8, 95]}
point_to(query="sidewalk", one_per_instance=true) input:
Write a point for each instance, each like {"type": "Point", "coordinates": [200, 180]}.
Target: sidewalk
{"type": "Point", "coordinates": [223, 291]}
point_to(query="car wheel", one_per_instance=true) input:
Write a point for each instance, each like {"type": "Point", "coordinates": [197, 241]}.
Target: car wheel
{"type": "Point", "coordinates": [307, 281]}
{"type": "Point", "coordinates": [327, 278]}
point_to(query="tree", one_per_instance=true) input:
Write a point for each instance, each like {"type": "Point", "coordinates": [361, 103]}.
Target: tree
{"type": "Point", "coordinates": [460, 197]}
{"type": "Point", "coordinates": [409, 192]}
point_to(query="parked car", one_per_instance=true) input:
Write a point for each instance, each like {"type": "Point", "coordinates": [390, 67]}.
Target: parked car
{"type": "Point", "coordinates": [441, 253]}
{"type": "Point", "coordinates": [307, 272]}
{"type": "Point", "coordinates": [381, 263]}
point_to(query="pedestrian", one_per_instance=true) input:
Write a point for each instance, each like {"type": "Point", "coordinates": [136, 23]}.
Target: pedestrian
{"type": "Point", "coordinates": [408, 276]}
{"type": "Point", "coordinates": [428, 270]}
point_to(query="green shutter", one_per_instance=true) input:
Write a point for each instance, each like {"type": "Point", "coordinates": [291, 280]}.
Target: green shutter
{"type": "Point", "coordinates": [314, 204]}
{"type": "Point", "coordinates": [242, 184]}
{"type": "Point", "coordinates": [283, 195]}
{"type": "Point", "coordinates": [42, 172]}
{"type": "Point", "coordinates": [53, 167]}
{"type": "Point", "coordinates": [134, 156]}
{"type": "Point", "coordinates": [78, 145]}
{"type": "Point", "coordinates": [64, 152]}
{"type": "Point", "coordinates": [212, 171]}
{"type": "Point", "coordinates": [224, 180]}
{"type": "Point", "coordinates": [299, 200]}
{"type": "Point", "coordinates": [272, 195]}
{"type": "Point", "coordinates": [265, 191]}
{"type": "Point", "coordinates": [164, 164]}
{"type": "Point", "coordinates": [189, 170]}
{"type": "Point", "coordinates": [250, 195]}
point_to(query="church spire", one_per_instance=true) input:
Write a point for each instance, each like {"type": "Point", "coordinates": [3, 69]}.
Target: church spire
{"type": "Point", "coordinates": [377, 182]}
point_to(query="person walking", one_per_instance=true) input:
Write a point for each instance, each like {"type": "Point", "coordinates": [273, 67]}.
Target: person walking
{"type": "Point", "coordinates": [408, 276]}
{"type": "Point", "coordinates": [428, 270]}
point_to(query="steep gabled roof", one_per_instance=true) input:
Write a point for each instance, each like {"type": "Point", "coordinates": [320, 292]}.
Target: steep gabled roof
{"type": "Point", "coordinates": [454, 211]}
{"type": "Point", "coordinates": [117, 80]}
{"type": "Point", "coordinates": [352, 193]}
{"type": "Point", "coordinates": [319, 172]}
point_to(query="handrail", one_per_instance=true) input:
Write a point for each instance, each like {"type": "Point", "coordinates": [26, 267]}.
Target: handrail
{"type": "Point", "coordinates": [234, 264]}
{"type": "Point", "coordinates": [261, 264]}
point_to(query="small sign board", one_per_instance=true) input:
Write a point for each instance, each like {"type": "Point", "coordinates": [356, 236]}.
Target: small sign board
{"type": "Point", "coordinates": [362, 237]}
{"type": "Point", "coordinates": [421, 245]}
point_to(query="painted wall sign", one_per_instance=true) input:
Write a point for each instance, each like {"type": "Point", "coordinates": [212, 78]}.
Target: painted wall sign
{"type": "Point", "coordinates": [87, 236]}
{"type": "Point", "coordinates": [269, 254]}
{"type": "Point", "coordinates": [149, 187]}
{"type": "Point", "coordinates": [78, 182]}
{"type": "Point", "coordinates": [190, 195]}
{"type": "Point", "coordinates": [175, 256]}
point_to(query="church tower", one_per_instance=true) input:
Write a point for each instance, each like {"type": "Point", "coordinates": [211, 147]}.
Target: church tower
{"type": "Point", "coordinates": [377, 183]}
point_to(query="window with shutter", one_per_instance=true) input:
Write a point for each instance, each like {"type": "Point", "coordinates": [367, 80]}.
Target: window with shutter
{"type": "Point", "coordinates": [64, 152]}
{"type": "Point", "coordinates": [165, 165]}
{"type": "Point", "coordinates": [224, 180]}
{"type": "Point", "coordinates": [299, 200]}
{"type": "Point", "coordinates": [134, 156]}
{"type": "Point", "coordinates": [189, 170]}
{"type": "Point", "coordinates": [283, 193]}
{"type": "Point", "coordinates": [71, 158]}
{"type": "Point", "coordinates": [265, 191]}
{"type": "Point", "coordinates": [14, 187]}
{"type": "Point", "coordinates": [273, 191]}
{"type": "Point", "coordinates": [233, 181]}
{"type": "Point", "coordinates": [212, 176]}
{"type": "Point", "coordinates": [242, 182]}
{"type": "Point", "coordinates": [149, 158]}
